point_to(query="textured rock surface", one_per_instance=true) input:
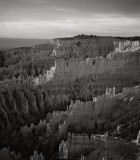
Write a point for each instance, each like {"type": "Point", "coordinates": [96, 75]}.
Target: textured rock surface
{"type": "Point", "coordinates": [83, 47]}
{"type": "Point", "coordinates": [96, 144]}
{"type": "Point", "coordinates": [83, 144]}
{"type": "Point", "coordinates": [127, 46]}
{"type": "Point", "coordinates": [116, 69]}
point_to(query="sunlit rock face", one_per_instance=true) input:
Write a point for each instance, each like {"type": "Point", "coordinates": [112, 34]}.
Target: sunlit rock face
{"type": "Point", "coordinates": [45, 77]}
{"type": "Point", "coordinates": [126, 46]}
{"type": "Point", "coordinates": [115, 63]}
{"type": "Point", "coordinates": [102, 104]}
{"type": "Point", "coordinates": [79, 111]}
{"type": "Point", "coordinates": [81, 47]}
{"type": "Point", "coordinates": [120, 69]}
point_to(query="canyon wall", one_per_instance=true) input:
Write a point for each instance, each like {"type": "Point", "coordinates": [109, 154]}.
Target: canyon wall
{"type": "Point", "coordinates": [79, 114]}
{"type": "Point", "coordinates": [127, 46]}
{"type": "Point", "coordinates": [118, 65]}
{"type": "Point", "coordinates": [81, 47]}
{"type": "Point", "coordinates": [78, 144]}
{"type": "Point", "coordinates": [90, 114]}
{"type": "Point", "coordinates": [126, 63]}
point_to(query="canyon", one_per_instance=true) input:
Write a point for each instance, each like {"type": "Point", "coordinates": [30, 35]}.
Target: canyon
{"type": "Point", "coordinates": [74, 98]}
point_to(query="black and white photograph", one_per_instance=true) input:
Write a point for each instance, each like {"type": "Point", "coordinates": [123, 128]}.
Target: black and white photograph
{"type": "Point", "coordinates": [69, 79]}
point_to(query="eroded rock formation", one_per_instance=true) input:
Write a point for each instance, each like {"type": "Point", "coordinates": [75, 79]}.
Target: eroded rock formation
{"type": "Point", "coordinates": [123, 66]}
{"type": "Point", "coordinates": [81, 47]}
{"type": "Point", "coordinates": [99, 83]}
{"type": "Point", "coordinates": [83, 144]}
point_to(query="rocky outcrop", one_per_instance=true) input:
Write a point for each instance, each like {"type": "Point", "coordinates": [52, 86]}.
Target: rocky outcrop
{"type": "Point", "coordinates": [78, 144]}
{"type": "Point", "coordinates": [81, 114]}
{"type": "Point", "coordinates": [127, 46]}
{"type": "Point", "coordinates": [79, 47]}
{"type": "Point", "coordinates": [45, 77]}
{"type": "Point", "coordinates": [88, 115]}
{"type": "Point", "coordinates": [37, 156]}
{"type": "Point", "coordinates": [114, 70]}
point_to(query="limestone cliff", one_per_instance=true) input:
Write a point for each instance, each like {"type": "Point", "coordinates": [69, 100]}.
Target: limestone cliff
{"type": "Point", "coordinates": [93, 75]}
{"type": "Point", "coordinates": [123, 63]}
{"type": "Point", "coordinates": [79, 47]}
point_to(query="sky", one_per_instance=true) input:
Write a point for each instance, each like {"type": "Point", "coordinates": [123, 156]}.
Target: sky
{"type": "Point", "coordinates": [45, 19]}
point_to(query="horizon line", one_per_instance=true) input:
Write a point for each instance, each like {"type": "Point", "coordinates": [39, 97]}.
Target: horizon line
{"type": "Point", "coordinates": [68, 37]}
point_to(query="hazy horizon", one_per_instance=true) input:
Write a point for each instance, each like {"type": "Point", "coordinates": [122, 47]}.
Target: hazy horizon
{"type": "Point", "coordinates": [10, 43]}
{"type": "Point", "coordinates": [47, 19]}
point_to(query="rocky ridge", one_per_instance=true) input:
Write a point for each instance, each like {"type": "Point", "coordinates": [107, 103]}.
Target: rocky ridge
{"type": "Point", "coordinates": [80, 47]}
